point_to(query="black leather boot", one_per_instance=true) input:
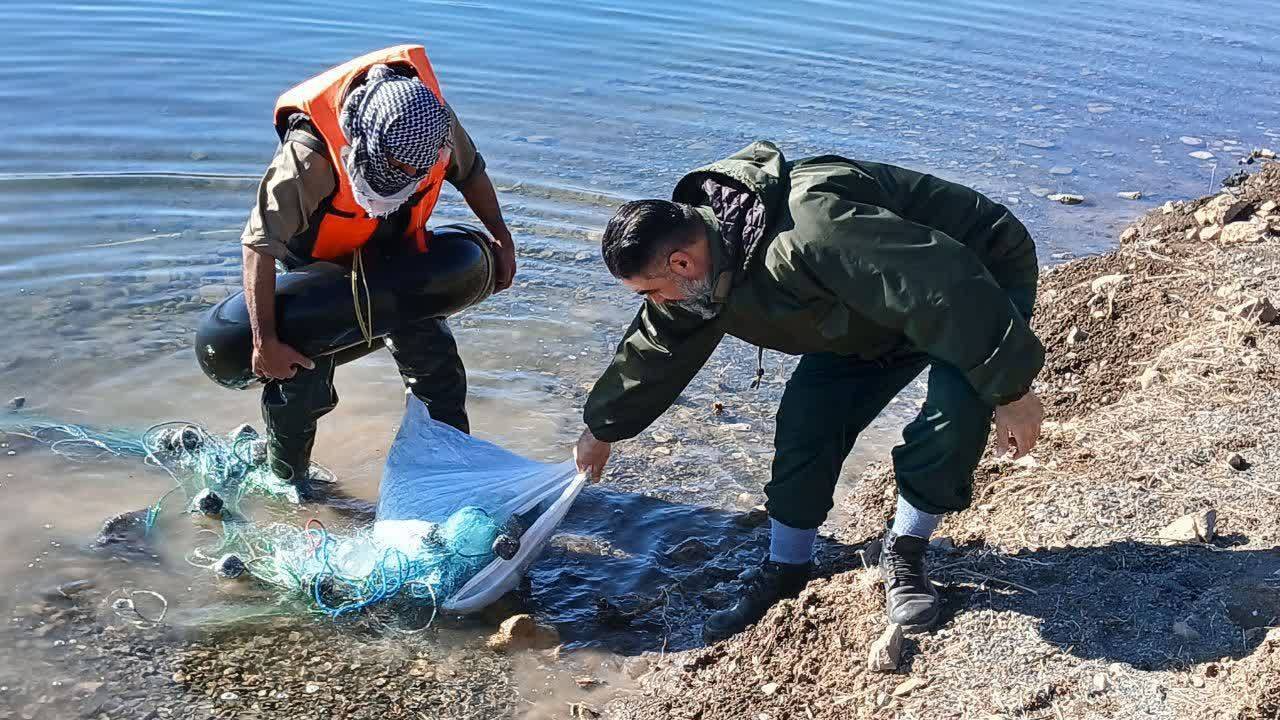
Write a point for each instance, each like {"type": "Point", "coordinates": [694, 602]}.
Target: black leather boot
{"type": "Point", "coordinates": [910, 599]}
{"type": "Point", "coordinates": [761, 587]}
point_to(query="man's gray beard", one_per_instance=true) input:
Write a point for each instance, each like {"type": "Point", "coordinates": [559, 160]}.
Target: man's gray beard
{"type": "Point", "coordinates": [697, 297]}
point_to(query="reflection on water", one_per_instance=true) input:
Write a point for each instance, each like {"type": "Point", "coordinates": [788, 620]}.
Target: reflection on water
{"type": "Point", "coordinates": [131, 156]}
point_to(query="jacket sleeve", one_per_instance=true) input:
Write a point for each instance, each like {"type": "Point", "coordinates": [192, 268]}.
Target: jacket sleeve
{"type": "Point", "coordinates": [660, 353]}
{"type": "Point", "coordinates": [936, 292]}
{"type": "Point", "coordinates": [293, 187]}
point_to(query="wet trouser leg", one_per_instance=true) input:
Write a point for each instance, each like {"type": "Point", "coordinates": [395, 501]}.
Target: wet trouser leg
{"type": "Point", "coordinates": [290, 409]}
{"type": "Point", "coordinates": [428, 359]}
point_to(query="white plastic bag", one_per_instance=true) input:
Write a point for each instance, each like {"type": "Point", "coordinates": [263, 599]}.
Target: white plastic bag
{"type": "Point", "coordinates": [433, 470]}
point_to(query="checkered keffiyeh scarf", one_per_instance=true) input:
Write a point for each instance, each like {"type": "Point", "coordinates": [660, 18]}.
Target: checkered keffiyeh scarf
{"type": "Point", "coordinates": [397, 116]}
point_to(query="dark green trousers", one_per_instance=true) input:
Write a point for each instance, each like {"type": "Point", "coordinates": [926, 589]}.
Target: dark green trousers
{"type": "Point", "coordinates": [427, 356]}
{"type": "Point", "coordinates": [830, 399]}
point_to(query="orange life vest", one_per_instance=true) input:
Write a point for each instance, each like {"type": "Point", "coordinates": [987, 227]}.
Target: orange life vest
{"type": "Point", "coordinates": [344, 226]}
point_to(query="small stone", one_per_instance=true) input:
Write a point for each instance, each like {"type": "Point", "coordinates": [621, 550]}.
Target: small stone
{"type": "Point", "coordinates": [1242, 232]}
{"type": "Point", "coordinates": [1201, 155]}
{"type": "Point", "coordinates": [586, 682]}
{"type": "Point", "coordinates": [1101, 683]}
{"type": "Point", "coordinates": [1149, 377]}
{"type": "Point", "coordinates": [519, 632]}
{"type": "Point", "coordinates": [1075, 336]}
{"type": "Point", "coordinates": [1265, 153]}
{"type": "Point", "coordinates": [1237, 462]}
{"type": "Point", "coordinates": [1190, 528]}
{"type": "Point", "coordinates": [1192, 141]}
{"type": "Point", "coordinates": [690, 551]}
{"type": "Point", "coordinates": [1221, 210]}
{"type": "Point", "coordinates": [1102, 282]}
{"type": "Point", "coordinates": [1061, 170]}
{"type": "Point", "coordinates": [1185, 631]}
{"type": "Point", "coordinates": [909, 686]}
{"type": "Point", "coordinates": [755, 517]}
{"type": "Point", "coordinates": [17, 403]}
{"type": "Point", "coordinates": [1129, 195]}
{"type": "Point", "coordinates": [769, 689]}
{"type": "Point", "coordinates": [1268, 206]}
{"type": "Point", "coordinates": [635, 667]}
{"type": "Point", "coordinates": [211, 294]}
{"type": "Point", "coordinates": [582, 711]}
{"type": "Point", "coordinates": [311, 689]}
{"type": "Point", "coordinates": [178, 678]}
{"type": "Point", "coordinates": [886, 651]}
{"type": "Point", "coordinates": [74, 587]}
{"type": "Point", "coordinates": [1129, 234]}
{"type": "Point", "coordinates": [1067, 198]}
{"type": "Point", "coordinates": [1211, 233]}
{"type": "Point", "coordinates": [661, 437]}
{"type": "Point", "coordinates": [228, 697]}
{"type": "Point", "coordinates": [1197, 681]}
{"type": "Point", "coordinates": [1256, 309]}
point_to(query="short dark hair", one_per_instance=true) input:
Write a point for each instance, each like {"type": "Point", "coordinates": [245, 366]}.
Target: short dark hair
{"type": "Point", "coordinates": [642, 231]}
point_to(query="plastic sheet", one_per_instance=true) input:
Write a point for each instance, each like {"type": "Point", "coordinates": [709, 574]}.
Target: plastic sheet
{"type": "Point", "coordinates": [436, 475]}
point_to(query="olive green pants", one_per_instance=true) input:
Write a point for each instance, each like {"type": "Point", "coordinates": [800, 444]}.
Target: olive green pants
{"type": "Point", "coordinates": [427, 356]}
{"type": "Point", "coordinates": [830, 399]}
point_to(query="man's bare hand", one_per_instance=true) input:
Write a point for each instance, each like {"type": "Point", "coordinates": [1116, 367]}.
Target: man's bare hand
{"type": "Point", "coordinates": [1020, 420]}
{"type": "Point", "coordinates": [504, 256]}
{"type": "Point", "coordinates": [591, 454]}
{"type": "Point", "coordinates": [275, 360]}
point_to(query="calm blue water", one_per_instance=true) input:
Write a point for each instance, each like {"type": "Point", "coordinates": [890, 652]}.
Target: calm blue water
{"type": "Point", "coordinates": [134, 134]}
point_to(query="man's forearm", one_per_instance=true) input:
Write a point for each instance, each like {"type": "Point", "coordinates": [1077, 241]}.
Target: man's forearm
{"type": "Point", "coordinates": [260, 294]}
{"type": "Point", "coordinates": [483, 201]}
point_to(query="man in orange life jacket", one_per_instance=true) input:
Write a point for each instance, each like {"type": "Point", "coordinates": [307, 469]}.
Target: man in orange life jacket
{"type": "Point", "coordinates": [365, 148]}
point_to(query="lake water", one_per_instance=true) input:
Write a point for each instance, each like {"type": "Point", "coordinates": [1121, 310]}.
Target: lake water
{"type": "Point", "coordinates": [135, 132]}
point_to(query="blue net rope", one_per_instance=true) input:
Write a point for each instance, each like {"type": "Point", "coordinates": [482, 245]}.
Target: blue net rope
{"type": "Point", "coordinates": [335, 574]}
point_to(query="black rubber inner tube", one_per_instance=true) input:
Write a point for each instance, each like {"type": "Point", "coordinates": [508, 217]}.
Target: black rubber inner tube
{"type": "Point", "coordinates": [316, 313]}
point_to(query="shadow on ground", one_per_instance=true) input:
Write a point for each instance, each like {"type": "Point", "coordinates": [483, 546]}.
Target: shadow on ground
{"type": "Point", "coordinates": [1155, 607]}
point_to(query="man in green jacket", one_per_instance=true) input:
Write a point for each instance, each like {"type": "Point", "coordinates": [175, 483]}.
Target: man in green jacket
{"type": "Point", "coordinates": [870, 273]}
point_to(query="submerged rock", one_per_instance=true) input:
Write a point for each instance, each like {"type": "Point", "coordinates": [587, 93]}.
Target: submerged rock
{"type": "Point", "coordinates": [1067, 198]}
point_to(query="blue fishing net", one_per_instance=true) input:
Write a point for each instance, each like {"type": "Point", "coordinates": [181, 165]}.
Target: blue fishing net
{"type": "Point", "coordinates": [453, 527]}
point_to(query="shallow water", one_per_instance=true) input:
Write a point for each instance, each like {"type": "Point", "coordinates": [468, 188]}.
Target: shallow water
{"type": "Point", "coordinates": [135, 133]}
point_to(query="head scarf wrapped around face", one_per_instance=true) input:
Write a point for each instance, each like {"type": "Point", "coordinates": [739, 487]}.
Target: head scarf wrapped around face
{"type": "Point", "coordinates": [396, 116]}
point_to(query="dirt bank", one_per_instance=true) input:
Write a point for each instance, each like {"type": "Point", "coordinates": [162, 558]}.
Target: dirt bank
{"type": "Point", "coordinates": [1065, 596]}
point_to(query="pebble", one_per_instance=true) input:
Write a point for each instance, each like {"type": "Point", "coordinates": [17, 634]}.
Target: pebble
{"type": "Point", "coordinates": [1192, 527]}
{"type": "Point", "coordinates": [1201, 155]}
{"type": "Point", "coordinates": [909, 686]}
{"type": "Point", "coordinates": [662, 437]}
{"type": "Point", "coordinates": [886, 651]}
{"type": "Point", "coordinates": [1067, 198]}
{"type": "Point", "coordinates": [1129, 195]}
{"type": "Point", "coordinates": [769, 689]}
{"type": "Point", "coordinates": [228, 697]}
{"type": "Point", "coordinates": [1075, 336]}
{"type": "Point", "coordinates": [1100, 684]}
{"type": "Point", "coordinates": [1185, 631]}
{"type": "Point", "coordinates": [1192, 141]}
{"type": "Point", "coordinates": [1237, 462]}
{"type": "Point", "coordinates": [1061, 170]}
{"type": "Point", "coordinates": [1254, 309]}
{"type": "Point", "coordinates": [311, 689]}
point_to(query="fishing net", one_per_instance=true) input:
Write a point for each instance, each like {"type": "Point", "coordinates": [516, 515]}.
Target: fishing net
{"type": "Point", "coordinates": [458, 519]}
